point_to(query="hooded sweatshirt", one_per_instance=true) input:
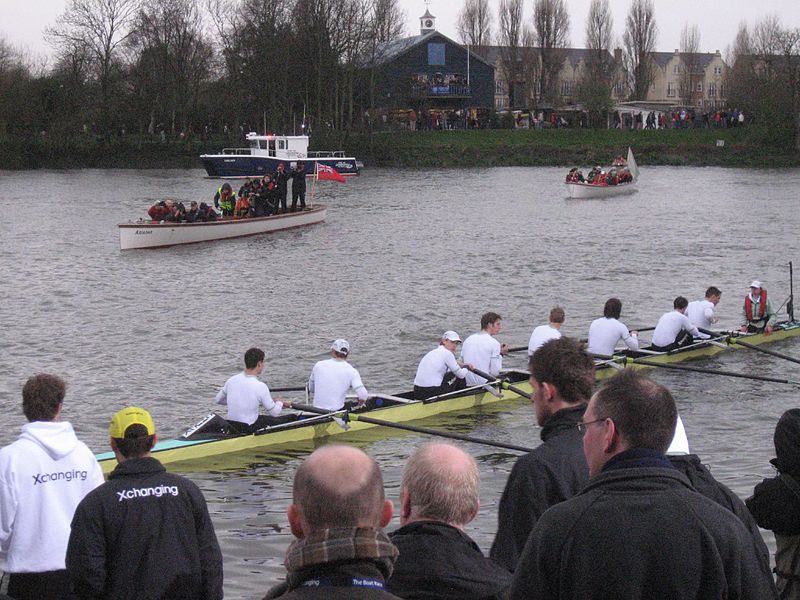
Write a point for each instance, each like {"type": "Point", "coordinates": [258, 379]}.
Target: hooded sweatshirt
{"type": "Point", "coordinates": [43, 477]}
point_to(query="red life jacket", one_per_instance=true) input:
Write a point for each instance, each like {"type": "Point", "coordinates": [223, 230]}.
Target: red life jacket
{"type": "Point", "coordinates": [762, 306]}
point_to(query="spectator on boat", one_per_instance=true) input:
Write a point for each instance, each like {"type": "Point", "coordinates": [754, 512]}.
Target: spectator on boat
{"type": "Point", "coordinates": [177, 213]}
{"type": "Point", "coordinates": [224, 200]}
{"type": "Point", "coordinates": [159, 211]}
{"type": "Point", "coordinates": [206, 213]}
{"type": "Point", "coordinates": [298, 177]}
{"type": "Point", "coordinates": [638, 529]}
{"type": "Point", "coordinates": [332, 378]}
{"type": "Point", "coordinates": [483, 351]}
{"type": "Point", "coordinates": [674, 329]}
{"type": "Point", "coordinates": [439, 372]}
{"type": "Point", "coordinates": [268, 191]}
{"type": "Point", "coordinates": [244, 393]}
{"type": "Point", "coordinates": [337, 515]}
{"type": "Point", "coordinates": [775, 504]}
{"type": "Point", "coordinates": [242, 208]}
{"type": "Point", "coordinates": [144, 533]}
{"type": "Point", "coordinates": [574, 175]}
{"type": "Point", "coordinates": [44, 474]}
{"type": "Point", "coordinates": [439, 496]}
{"type": "Point", "coordinates": [280, 177]}
{"type": "Point", "coordinates": [604, 333]}
{"type": "Point", "coordinates": [701, 312]}
{"type": "Point", "coordinates": [757, 313]}
{"type": "Point", "coordinates": [545, 333]}
{"type": "Point", "coordinates": [247, 188]}
{"type": "Point", "coordinates": [593, 174]}
{"type": "Point", "coordinates": [612, 177]}
{"type": "Point", "coordinates": [193, 213]}
{"type": "Point", "coordinates": [562, 378]}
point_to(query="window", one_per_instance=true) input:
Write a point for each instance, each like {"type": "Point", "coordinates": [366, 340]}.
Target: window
{"type": "Point", "coordinates": [670, 90]}
{"type": "Point", "coordinates": [676, 69]}
{"type": "Point", "coordinates": [566, 88]}
{"type": "Point", "coordinates": [499, 88]}
{"type": "Point", "coordinates": [712, 90]}
{"type": "Point", "coordinates": [700, 87]}
{"type": "Point", "coordinates": [500, 103]}
{"type": "Point", "coordinates": [717, 70]}
{"type": "Point", "coordinates": [435, 54]}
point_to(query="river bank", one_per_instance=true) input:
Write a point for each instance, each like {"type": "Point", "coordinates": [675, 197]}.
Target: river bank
{"type": "Point", "coordinates": [737, 147]}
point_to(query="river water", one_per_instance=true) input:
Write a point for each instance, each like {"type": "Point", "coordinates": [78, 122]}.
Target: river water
{"type": "Point", "coordinates": [403, 256]}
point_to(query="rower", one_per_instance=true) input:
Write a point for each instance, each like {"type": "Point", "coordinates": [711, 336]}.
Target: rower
{"type": "Point", "coordinates": [483, 351]}
{"type": "Point", "coordinates": [674, 330]}
{"type": "Point", "coordinates": [332, 378]}
{"type": "Point", "coordinates": [439, 372]}
{"type": "Point", "coordinates": [757, 315]}
{"type": "Point", "coordinates": [245, 392]}
{"type": "Point", "coordinates": [701, 312]}
{"type": "Point", "coordinates": [604, 333]}
{"type": "Point", "coordinates": [545, 333]}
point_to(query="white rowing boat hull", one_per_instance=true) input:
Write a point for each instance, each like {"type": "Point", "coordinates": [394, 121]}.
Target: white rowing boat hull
{"type": "Point", "coordinates": [149, 234]}
{"type": "Point", "coordinates": [588, 190]}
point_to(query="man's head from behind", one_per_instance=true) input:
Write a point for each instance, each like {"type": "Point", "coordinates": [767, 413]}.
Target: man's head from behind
{"type": "Point", "coordinates": [440, 482]}
{"type": "Point", "coordinates": [561, 373]}
{"type": "Point", "coordinates": [338, 486]}
{"type": "Point", "coordinates": [629, 411]}
{"type": "Point", "coordinates": [42, 396]}
{"type": "Point", "coordinates": [132, 432]}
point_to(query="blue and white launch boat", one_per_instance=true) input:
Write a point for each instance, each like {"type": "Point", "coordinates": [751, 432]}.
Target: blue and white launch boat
{"type": "Point", "coordinates": [267, 151]}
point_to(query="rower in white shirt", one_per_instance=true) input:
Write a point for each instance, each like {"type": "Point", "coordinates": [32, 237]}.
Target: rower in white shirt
{"type": "Point", "coordinates": [331, 379]}
{"type": "Point", "coordinates": [674, 329]}
{"type": "Point", "coordinates": [701, 312]}
{"type": "Point", "coordinates": [483, 351]}
{"type": "Point", "coordinates": [606, 332]}
{"type": "Point", "coordinates": [439, 372]}
{"type": "Point", "coordinates": [545, 333]}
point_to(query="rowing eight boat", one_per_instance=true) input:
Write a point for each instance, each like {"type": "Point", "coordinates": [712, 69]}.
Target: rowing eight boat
{"type": "Point", "coordinates": [212, 435]}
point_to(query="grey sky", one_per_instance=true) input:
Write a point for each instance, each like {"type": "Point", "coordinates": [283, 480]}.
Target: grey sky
{"type": "Point", "coordinates": [24, 20]}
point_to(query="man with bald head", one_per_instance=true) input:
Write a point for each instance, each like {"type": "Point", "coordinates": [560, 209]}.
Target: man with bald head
{"type": "Point", "coordinates": [638, 529]}
{"type": "Point", "coordinates": [338, 510]}
{"type": "Point", "coordinates": [439, 496]}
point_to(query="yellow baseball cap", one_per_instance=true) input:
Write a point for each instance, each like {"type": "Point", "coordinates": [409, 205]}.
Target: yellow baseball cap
{"type": "Point", "coordinates": [131, 415]}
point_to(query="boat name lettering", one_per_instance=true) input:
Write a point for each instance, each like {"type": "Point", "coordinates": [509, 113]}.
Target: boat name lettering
{"type": "Point", "coordinates": [146, 492]}
{"type": "Point", "coordinates": [342, 165]}
{"type": "Point", "coordinates": [144, 231]}
{"type": "Point", "coordinates": [59, 476]}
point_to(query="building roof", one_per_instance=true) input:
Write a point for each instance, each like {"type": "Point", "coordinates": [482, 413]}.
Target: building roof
{"type": "Point", "coordinates": [388, 51]}
{"type": "Point", "coordinates": [703, 58]}
{"type": "Point", "coordinates": [573, 55]}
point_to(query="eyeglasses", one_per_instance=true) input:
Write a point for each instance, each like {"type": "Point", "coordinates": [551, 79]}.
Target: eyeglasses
{"type": "Point", "coordinates": [583, 426]}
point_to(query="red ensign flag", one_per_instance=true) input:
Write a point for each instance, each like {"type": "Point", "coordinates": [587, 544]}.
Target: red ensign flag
{"type": "Point", "coordinates": [325, 172]}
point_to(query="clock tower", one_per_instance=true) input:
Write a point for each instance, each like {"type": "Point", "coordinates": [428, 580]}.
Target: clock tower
{"type": "Point", "coordinates": [427, 23]}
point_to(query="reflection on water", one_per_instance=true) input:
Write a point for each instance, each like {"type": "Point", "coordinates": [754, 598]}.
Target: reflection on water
{"type": "Point", "coordinates": [403, 256]}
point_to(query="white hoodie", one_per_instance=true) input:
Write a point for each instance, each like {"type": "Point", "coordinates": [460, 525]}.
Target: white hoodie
{"type": "Point", "coordinates": [43, 477]}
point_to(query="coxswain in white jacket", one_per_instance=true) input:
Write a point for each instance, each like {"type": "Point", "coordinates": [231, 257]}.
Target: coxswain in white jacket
{"type": "Point", "coordinates": [43, 477]}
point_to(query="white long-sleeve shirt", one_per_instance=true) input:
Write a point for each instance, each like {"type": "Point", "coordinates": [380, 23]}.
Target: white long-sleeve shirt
{"type": "Point", "coordinates": [43, 477]}
{"type": "Point", "coordinates": [434, 365]}
{"type": "Point", "coordinates": [670, 325]}
{"type": "Point", "coordinates": [540, 335]}
{"type": "Point", "coordinates": [244, 394]}
{"type": "Point", "coordinates": [604, 334]}
{"type": "Point", "coordinates": [330, 381]}
{"type": "Point", "coordinates": [482, 351]}
{"type": "Point", "coordinates": [701, 313]}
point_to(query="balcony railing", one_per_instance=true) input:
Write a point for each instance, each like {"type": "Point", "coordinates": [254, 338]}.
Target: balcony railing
{"type": "Point", "coordinates": [442, 91]}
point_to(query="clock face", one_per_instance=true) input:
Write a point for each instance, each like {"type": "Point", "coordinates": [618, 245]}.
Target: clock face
{"type": "Point", "coordinates": [428, 23]}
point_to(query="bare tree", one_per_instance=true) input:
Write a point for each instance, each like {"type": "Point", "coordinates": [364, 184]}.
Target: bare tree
{"type": "Point", "coordinates": [551, 36]}
{"type": "Point", "coordinates": [596, 79]}
{"type": "Point", "coordinates": [639, 42]}
{"type": "Point", "coordinates": [100, 27]}
{"type": "Point", "coordinates": [511, 37]}
{"type": "Point", "coordinates": [691, 63]}
{"type": "Point", "coordinates": [384, 24]}
{"type": "Point", "coordinates": [475, 23]}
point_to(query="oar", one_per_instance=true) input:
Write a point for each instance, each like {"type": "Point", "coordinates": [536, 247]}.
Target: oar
{"type": "Point", "coordinates": [333, 414]}
{"type": "Point", "coordinates": [710, 371]}
{"type": "Point", "coordinates": [503, 383]}
{"type": "Point", "coordinates": [426, 430]}
{"type": "Point", "coordinates": [733, 340]}
{"type": "Point", "coordinates": [517, 349]}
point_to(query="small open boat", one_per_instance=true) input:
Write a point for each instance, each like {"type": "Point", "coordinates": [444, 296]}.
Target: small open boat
{"type": "Point", "coordinates": [267, 151]}
{"type": "Point", "coordinates": [152, 234]}
{"type": "Point", "coordinates": [592, 190]}
{"type": "Point", "coordinates": [212, 436]}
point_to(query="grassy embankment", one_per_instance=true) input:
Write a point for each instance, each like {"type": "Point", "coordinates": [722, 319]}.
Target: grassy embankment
{"type": "Point", "coordinates": [429, 149]}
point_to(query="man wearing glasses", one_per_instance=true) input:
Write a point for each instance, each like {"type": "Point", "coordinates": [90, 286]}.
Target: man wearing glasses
{"type": "Point", "coordinates": [562, 378]}
{"type": "Point", "coordinates": [638, 529]}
